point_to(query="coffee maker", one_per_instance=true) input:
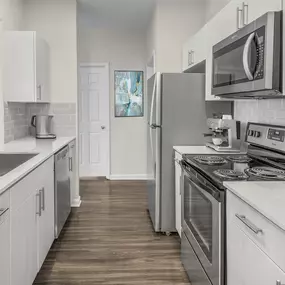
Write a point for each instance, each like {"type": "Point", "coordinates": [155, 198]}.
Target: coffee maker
{"type": "Point", "coordinates": [225, 134]}
{"type": "Point", "coordinates": [42, 124]}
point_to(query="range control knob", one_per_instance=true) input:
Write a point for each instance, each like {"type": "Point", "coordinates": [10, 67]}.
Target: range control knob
{"type": "Point", "coordinates": [250, 133]}
{"type": "Point", "coordinates": [257, 134]}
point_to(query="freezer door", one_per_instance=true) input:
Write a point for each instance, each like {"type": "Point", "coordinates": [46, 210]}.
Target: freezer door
{"type": "Point", "coordinates": [154, 148]}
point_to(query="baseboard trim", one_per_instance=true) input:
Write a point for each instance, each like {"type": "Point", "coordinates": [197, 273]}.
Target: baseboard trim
{"type": "Point", "coordinates": [128, 177]}
{"type": "Point", "coordinates": [76, 203]}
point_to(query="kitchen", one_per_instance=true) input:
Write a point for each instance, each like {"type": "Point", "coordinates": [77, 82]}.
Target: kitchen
{"type": "Point", "coordinates": [55, 94]}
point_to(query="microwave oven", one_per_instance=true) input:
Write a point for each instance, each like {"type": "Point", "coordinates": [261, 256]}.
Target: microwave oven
{"type": "Point", "coordinates": [248, 64]}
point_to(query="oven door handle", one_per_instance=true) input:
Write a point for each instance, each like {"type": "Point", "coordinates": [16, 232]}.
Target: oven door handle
{"type": "Point", "coordinates": [208, 193]}
{"type": "Point", "coordinates": [246, 53]}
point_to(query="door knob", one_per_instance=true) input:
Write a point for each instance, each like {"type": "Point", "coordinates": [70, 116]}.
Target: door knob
{"type": "Point", "coordinates": [103, 127]}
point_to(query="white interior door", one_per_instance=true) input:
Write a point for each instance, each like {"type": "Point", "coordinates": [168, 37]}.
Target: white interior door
{"type": "Point", "coordinates": [94, 121]}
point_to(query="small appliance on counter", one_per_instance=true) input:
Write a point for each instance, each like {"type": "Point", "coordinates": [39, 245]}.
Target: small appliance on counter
{"type": "Point", "coordinates": [226, 134]}
{"type": "Point", "coordinates": [204, 198]}
{"type": "Point", "coordinates": [42, 125]}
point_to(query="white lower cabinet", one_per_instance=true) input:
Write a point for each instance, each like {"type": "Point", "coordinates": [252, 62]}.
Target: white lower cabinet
{"type": "Point", "coordinates": [32, 223]}
{"type": "Point", "coordinates": [72, 169]}
{"type": "Point", "coordinates": [247, 263]}
{"type": "Point", "coordinates": [4, 239]}
{"type": "Point", "coordinates": [46, 220]}
{"type": "Point", "coordinates": [178, 201]}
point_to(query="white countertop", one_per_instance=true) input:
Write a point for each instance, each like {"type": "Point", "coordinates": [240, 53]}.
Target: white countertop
{"type": "Point", "coordinates": [266, 197]}
{"type": "Point", "coordinates": [44, 148]}
{"type": "Point", "coordinates": [200, 149]}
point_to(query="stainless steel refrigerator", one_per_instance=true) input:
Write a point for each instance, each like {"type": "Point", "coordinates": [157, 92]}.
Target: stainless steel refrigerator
{"type": "Point", "coordinates": [177, 114]}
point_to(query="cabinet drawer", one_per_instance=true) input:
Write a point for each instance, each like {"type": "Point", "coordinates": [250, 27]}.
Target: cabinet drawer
{"type": "Point", "coordinates": [266, 235]}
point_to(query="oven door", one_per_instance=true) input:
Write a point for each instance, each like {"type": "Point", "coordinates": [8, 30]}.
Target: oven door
{"type": "Point", "coordinates": [202, 222]}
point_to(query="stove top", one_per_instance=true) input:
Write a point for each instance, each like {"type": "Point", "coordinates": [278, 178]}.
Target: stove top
{"type": "Point", "coordinates": [234, 167]}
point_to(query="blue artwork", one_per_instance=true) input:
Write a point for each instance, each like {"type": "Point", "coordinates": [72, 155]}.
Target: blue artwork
{"type": "Point", "coordinates": [129, 93]}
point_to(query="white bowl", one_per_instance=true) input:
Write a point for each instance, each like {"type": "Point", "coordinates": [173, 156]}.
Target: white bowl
{"type": "Point", "coordinates": [217, 141]}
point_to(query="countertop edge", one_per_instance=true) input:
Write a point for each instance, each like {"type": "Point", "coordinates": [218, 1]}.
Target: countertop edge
{"type": "Point", "coordinates": [44, 156]}
{"type": "Point", "coordinates": [251, 203]}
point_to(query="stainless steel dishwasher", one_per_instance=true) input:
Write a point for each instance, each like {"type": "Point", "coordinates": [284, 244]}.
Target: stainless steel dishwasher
{"type": "Point", "coordinates": [62, 189]}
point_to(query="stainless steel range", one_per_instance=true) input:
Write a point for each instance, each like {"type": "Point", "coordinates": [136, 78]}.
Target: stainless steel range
{"type": "Point", "coordinates": [204, 198]}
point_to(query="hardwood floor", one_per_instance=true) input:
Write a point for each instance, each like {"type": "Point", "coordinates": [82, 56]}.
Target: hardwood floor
{"type": "Point", "coordinates": [109, 240]}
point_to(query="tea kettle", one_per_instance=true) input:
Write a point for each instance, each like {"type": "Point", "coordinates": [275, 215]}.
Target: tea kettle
{"type": "Point", "coordinates": [42, 123]}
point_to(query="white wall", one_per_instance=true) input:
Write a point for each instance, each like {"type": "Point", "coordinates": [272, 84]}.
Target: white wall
{"type": "Point", "coordinates": [124, 50]}
{"type": "Point", "coordinates": [214, 6]}
{"type": "Point", "coordinates": [55, 21]}
{"type": "Point", "coordinates": [11, 19]}
{"type": "Point", "coordinates": [172, 24]}
{"type": "Point", "coordinates": [11, 13]}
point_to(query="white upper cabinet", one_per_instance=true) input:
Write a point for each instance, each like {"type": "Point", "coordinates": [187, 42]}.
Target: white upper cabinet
{"type": "Point", "coordinates": [195, 49]}
{"type": "Point", "coordinates": [225, 23]}
{"type": "Point", "coordinates": [253, 9]}
{"type": "Point", "coordinates": [234, 16]}
{"type": "Point", "coordinates": [26, 68]}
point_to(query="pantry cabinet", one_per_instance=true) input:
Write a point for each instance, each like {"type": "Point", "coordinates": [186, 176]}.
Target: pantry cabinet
{"type": "Point", "coordinates": [32, 223]}
{"type": "Point", "coordinates": [253, 251]}
{"type": "Point", "coordinates": [26, 68]}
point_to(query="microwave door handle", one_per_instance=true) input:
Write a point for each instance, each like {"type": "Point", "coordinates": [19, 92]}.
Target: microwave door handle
{"type": "Point", "coordinates": [246, 52]}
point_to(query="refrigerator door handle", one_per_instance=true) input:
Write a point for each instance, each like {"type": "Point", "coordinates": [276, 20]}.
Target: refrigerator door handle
{"type": "Point", "coordinates": [154, 126]}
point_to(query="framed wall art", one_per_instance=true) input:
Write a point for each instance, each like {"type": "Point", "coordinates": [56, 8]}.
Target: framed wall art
{"type": "Point", "coordinates": [129, 93]}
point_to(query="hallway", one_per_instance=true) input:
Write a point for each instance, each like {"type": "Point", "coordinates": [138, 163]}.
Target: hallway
{"type": "Point", "coordinates": [109, 240]}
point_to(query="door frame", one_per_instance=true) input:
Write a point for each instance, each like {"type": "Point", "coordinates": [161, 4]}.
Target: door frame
{"type": "Point", "coordinates": [107, 66]}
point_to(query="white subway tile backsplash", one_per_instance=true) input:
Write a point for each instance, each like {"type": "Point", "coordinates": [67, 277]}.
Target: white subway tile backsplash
{"type": "Point", "coordinates": [17, 117]}
{"type": "Point", "coordinates": [261, 111]}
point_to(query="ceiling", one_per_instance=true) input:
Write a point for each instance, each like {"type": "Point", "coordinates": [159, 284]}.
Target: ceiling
{"type": "Point", "coordinates": [127, 14]}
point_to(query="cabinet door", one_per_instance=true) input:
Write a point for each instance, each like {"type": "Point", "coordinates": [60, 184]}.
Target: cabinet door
{"type": "Point", "coordinates": [247, 264]}
{"type": "Point", "coordinates": [5, 248]}
{"type": "Point", "coordinates": [19, 65]}
{"type": "Point", "coordinates": [187, 49]}
{"type": "Point", "coordinates": [24, 257]}
{"type": "Point", "coordinates": [46, 220]}
{"type": "Point", "coordinates": [72, 169]}
{"type": "Point", "coordinates": [178, 174]}
{"type": "Point", "coordinates": [43, 71]}
{"type": "Point", "coordinates": [224, 24]}
{"type": "Point", "coordinates": [257, 8]}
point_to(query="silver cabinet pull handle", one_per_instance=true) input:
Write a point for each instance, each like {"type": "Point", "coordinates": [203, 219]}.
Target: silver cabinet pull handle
{"type": "Point", "coordinates": [3, 211]}
{"type": "Point", "coordinates": [245, 13]}
{"type": "Point", "coordinates": [71, 164]}
{"type": "Point", "coordinates": [249, 224]}
{"type": "Point", "coordinates": [239, 13]}
{"type": "Point", "coordinates": [43, 204]}
{"type": "Point", "coordinates": [189, 58]}
{"type": "Point", "coordinates": [192, 57]}
{"type": "Point", "coordinates": [40, 206]}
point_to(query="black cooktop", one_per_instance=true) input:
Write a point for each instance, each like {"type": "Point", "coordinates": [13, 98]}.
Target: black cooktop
{"type": "Point", "coordinates": [234, 167]}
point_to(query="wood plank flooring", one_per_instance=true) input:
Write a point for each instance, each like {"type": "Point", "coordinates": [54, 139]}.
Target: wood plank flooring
{"type": "Point", "coordinates": [109, 240]}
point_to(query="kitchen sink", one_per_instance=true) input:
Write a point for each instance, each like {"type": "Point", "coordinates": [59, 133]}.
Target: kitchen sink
{"type": "Point", "coordinates": [9, 161]}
